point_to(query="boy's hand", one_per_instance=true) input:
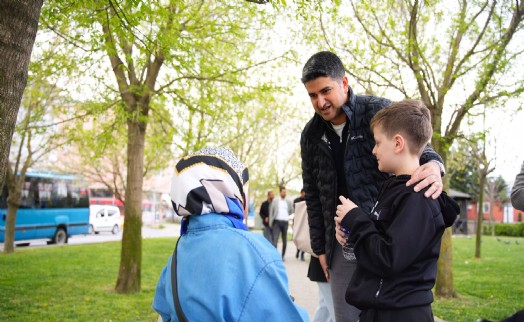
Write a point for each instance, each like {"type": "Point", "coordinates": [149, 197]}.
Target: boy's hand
{"type": "Point", "coordinates": [429, 173]}
{"type": "Point", "coordinates": [340, 234]}
{"type": "Point", "coordinates": [342, 210]}
{"type": "Point", "coordinates": [345, 207]}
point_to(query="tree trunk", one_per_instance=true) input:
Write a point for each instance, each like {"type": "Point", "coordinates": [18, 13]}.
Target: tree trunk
{"type": "Point", "coordinates": [131, 254]}
{"type": "Point", "coordinates": [444, 284]}
{"type": "Point", "coordinates": [491, 219]}
{"type": "Point", "coordinates": [18, 27]}
{"type": "Point", "coordinates": [13, 202]}
{"type": "Point", "coordinates": [10, 223]}
{"type": "Point", "coordinates": [480, 215]}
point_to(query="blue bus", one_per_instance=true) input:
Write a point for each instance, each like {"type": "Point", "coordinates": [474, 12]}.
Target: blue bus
{"type": "Point", "coordinates": [53, 206]}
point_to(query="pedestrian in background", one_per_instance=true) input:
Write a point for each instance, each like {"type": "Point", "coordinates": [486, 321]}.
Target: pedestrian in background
{"type": "Point", "coordinates": [300, 199]}
{"type": "Point", "coordinates": [264, 214]}
{"type": "Point", "coordinates": [279, 212]}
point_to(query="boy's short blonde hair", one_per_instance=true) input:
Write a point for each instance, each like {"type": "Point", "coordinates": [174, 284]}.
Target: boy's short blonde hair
{"type": "Point", "coordinates": [410, 118]}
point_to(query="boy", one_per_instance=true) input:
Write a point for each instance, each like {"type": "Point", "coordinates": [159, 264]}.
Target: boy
{"type": "Point", "coordinates": [397, 245]}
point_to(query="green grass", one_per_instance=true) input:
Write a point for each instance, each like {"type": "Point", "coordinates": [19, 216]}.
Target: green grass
{"type": "Point", "coordinates": [491, 287]}
{"type": "Point", "coordinates": [76, 283]}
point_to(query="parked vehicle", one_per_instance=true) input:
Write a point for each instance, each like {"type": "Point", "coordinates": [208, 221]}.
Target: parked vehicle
{"type": "Point", "coordinates": [104, 196]}
{"type": "Point", "coordinates": [53, 206]}
{"type": "Point", "coordinates": [104, 218]}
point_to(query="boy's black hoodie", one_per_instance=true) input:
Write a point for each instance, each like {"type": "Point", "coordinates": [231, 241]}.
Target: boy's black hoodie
{"type": "Point", "coordinates": [397, 247]}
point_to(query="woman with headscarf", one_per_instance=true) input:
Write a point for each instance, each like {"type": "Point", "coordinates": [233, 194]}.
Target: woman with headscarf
{"type": "Point", "coordinates": [221, 272]}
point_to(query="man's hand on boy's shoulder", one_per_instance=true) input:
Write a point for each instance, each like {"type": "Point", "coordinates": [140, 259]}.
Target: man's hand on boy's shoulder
{"type": "Point", "coordinates": [429, 175]}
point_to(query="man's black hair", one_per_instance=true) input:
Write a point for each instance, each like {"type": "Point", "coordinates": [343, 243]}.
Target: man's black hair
{"type": "Point", "coordinates": [323, 64]}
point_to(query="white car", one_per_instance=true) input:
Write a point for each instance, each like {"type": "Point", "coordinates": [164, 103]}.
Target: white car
{"type": "Point", "coordinates": [104, 218]}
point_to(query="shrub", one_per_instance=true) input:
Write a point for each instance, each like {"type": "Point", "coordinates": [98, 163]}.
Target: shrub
{"type": "Point", "coordinates": [512, 230]}
{"type": "Point", "coordinates": [486, 229]}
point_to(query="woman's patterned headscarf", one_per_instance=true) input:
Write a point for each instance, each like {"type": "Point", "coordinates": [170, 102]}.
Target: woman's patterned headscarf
{"type": "Point", "coordinates": [211, 180]}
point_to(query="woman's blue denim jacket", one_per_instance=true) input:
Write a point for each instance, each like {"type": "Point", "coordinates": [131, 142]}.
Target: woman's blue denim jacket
{"type": "Point", "coordinates": [226, 274]}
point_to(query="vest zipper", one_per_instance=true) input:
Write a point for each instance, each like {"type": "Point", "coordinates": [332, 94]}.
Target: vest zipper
{"type": "Point", "coordinates": [333, 240]}
{"type": "Point", "coordinates": [379, 288]}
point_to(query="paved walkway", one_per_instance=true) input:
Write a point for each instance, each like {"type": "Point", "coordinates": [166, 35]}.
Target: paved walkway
{"type": "Point", "coordinates": [301, 288]}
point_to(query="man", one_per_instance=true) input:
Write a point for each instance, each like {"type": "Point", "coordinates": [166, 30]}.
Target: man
{"type": "Point", "coordinates": [300, 199]}
{"type": "Point", "coordinates": [264, 214]}
{"type": "Point", "coordinates": [279, 213]}
{"type": "Point", "coordinates": [221, 271]}
{"type": "Point", "coordinates": [336, 149]}
{"type": "Point", "coordinates": [517, 192]}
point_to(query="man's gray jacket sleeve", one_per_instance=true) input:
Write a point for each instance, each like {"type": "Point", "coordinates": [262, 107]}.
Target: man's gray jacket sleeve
{"type": "Point", "coordinates": [517, 193]}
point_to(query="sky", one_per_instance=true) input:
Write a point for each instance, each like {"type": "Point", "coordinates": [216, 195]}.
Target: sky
{"type": "Point", "coordinates": [507, 130]}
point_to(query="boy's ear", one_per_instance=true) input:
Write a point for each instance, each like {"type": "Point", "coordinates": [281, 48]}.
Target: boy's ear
{"type": "Point", "coordinates": [399, 143]}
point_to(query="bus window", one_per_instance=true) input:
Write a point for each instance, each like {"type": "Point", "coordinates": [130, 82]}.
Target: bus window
{"type": "Point", "coordinates": [30, 194]}
{"type": "Point", "coordinates": [44, 192]}
{"type": "Point", "coordinates": [52, 206]}
{"type": "Point", "coordinates": [79, 197]}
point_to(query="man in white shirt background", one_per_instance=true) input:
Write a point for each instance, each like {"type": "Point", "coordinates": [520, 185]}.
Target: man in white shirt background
{"type": "Point", "coordinates": [280, 210]}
